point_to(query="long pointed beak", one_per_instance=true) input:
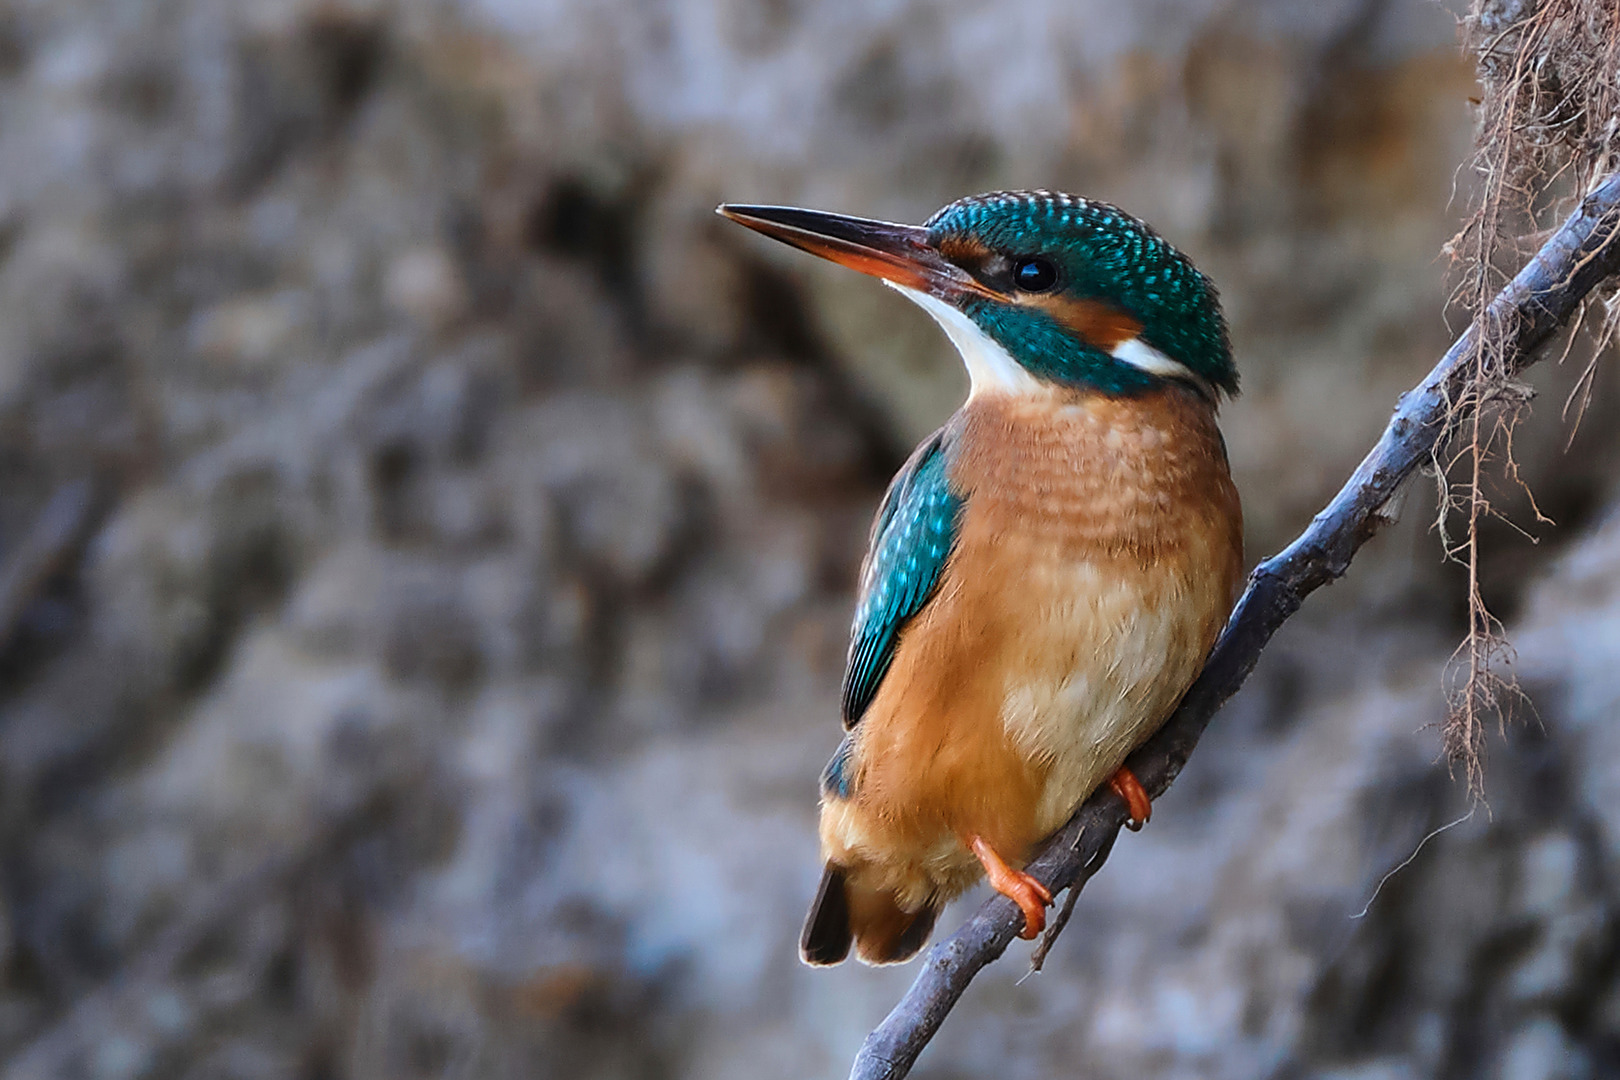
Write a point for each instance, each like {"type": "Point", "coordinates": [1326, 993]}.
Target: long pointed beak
{"type": "Point", "coordinates": [897, 253]}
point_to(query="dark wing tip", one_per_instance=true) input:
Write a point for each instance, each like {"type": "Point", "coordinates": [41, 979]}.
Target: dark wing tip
{"type": "Point", "coordinates": [826, 937]}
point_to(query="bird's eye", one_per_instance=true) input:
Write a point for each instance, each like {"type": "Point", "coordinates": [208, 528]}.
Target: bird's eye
{"type": "Point", "coordinates": [1035, 274]}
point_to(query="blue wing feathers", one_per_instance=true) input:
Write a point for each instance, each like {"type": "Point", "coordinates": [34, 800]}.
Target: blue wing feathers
{"type": "Point", "coordinates": [913, 538]}
{"type": "Point", "coordinates": [836, 778]}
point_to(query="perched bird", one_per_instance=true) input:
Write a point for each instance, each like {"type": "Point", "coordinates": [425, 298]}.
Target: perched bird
{"type": "Point", "coordinates": [1047, 573]}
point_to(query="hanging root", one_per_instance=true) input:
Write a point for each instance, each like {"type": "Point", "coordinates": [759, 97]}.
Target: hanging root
{"type": "Point", "coordinates": [1549, 125]}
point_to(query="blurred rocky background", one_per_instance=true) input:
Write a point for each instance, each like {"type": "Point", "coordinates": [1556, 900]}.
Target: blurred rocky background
{"type": "Point", "coordinates": [427, 536]}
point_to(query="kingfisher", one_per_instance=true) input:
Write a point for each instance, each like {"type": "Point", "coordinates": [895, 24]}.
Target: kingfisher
{"type": "Point", "coordinates": [1047, 573]}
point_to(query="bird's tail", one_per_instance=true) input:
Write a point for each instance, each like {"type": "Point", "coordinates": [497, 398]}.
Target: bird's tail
{"type": "Point", "coordinates": [845, 911]}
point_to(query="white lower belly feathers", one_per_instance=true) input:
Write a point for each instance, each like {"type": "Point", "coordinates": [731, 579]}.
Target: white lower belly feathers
{"type": "Point", "coordinates": [1106, 661]}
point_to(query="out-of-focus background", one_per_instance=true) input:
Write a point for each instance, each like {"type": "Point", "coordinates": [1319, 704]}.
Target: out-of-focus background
{"type": "Point", "coordinates": [427, 537]}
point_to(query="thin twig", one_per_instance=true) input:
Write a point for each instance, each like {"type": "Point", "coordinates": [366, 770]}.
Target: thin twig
{"type": "Point", "coordinates": [1037, 958]}
{"type": "Point", "coordinates": [1543, 295]}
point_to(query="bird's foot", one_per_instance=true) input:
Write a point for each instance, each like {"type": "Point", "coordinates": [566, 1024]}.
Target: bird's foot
{"type": "Point", "coordinates": [1129, 788]}
{"type": "Point", "coordinates": [1030, 895]}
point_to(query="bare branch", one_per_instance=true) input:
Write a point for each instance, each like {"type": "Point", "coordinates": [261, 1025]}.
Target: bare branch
{"type": "Point", "coordinates": [1533, 305]}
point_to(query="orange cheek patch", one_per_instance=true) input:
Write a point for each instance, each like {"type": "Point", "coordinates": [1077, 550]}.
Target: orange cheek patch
{"type": "Point", "coordinates": [1092, 321]}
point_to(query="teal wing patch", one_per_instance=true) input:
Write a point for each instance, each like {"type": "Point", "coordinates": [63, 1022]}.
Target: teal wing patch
{"type": "Point", "coordinates": [914, 535]}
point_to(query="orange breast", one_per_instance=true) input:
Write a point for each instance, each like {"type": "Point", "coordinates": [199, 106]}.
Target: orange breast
{"type": "Point", "coordinates": [1099, 552]}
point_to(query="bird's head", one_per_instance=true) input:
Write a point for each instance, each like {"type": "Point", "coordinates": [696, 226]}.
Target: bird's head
{"type": "Point", "coordinates": [1036, 287]}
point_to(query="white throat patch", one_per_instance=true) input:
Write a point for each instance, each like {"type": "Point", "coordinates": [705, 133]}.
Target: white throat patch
{"type": "Point", "coordinates": [990, 367]}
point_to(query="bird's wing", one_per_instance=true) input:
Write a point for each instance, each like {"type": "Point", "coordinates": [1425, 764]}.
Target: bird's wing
{"type": "Point", "coordinates": [911, 539]}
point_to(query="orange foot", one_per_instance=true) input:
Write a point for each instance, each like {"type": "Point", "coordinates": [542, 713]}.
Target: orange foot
{"type": "Point", "coordinates": [1129, 788]}
{"type": "Point", "coordinates": [1030, 895]}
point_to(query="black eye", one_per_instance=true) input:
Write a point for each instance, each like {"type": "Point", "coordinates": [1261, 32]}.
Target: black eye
{"type": "Point", "coordinates": [1034, 275]}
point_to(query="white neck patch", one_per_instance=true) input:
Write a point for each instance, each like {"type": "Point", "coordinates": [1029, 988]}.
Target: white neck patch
{"type": "Point", "coordinates": [990, 367]}
{"type": "Point", "coordinates": [1144, 357]}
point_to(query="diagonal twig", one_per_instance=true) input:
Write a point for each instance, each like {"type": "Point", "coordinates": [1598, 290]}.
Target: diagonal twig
{"type": "Point", "coordinates": [1532, 306]}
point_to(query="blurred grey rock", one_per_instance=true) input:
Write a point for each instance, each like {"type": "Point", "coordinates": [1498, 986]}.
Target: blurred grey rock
{"type": "Point", "coordinates": [443, 688]}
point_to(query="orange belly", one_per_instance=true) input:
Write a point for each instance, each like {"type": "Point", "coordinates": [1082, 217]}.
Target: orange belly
{"type": "Point", "coordinates": [1098, 555]}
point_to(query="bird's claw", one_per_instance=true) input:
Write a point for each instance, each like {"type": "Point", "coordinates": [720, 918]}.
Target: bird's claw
{"type": "Point", "coordinates": [1023, 889]}
{"type": "Point", "coordinates": [1129, 788]}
